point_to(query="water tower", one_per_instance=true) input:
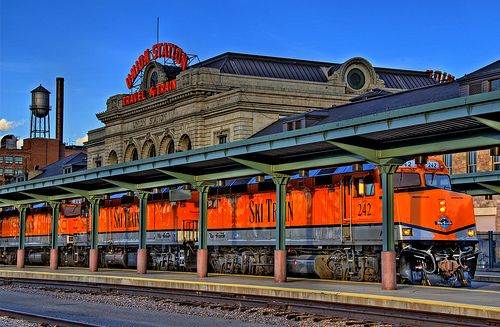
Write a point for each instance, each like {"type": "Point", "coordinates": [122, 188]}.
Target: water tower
{"type": "Point", "coordinates": [40, 108]}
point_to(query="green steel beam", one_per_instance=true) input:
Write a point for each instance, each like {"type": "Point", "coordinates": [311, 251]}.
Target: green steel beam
{"type": "Point", "coordinates": [376, 156]}
{"type": "Point", "coordinates": [386, 177]}
{"type": "Point", "coordinates": [187, 178]}
{"type": "Point", "coordinates": [480, 192]}
{"type": "Point", "coordinates": [479, 177]}
{"type": "Point", "coordinates": [143, 218]}
{"type": "Point", "coordinates": [489, 122]}
{"type": "Point", "coordinates": [320, 162]}
{"type": "Point", "coordinates": [259, 166]}
{"type": "Point", "coordinates": [125, 185]}
{"type": "Point", "coordinates": [262, 167]}
{"type": "Point", "coordinates": [54, 224]}
{"type": "Point", "coordinates": [280, 234]}
{"type": "Point", "coordinates": [229, 174]}
{"type": "Point", "coordinates": [491, 187]}
{"type": "Point", "coordinates": [437, 147]}
{"type": "Point", "coordinates": [78, 192]}
{"type": "Point", "coordinates": [203, 216]}
{"type": "Point", "coordinates": [38, 197]}
{"type": "Point", "coordinates": [366, 153]}
{"type": "Point", "coordinates": [94, 232]}
{"type": "Point", "coordinates": [22, 225]}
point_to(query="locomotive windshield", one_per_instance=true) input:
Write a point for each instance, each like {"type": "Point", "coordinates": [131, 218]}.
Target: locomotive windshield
{"type": "Point", "coordinates": [406, 180]}
{"type": "Point", "coordinates": [438, 181]}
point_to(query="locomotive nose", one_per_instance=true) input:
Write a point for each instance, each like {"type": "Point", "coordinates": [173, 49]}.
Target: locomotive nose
{"type": "Point", "coordinates": [454, 211]}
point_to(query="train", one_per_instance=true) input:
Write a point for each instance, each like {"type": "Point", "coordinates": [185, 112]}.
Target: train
{"type": "Point", "coordinates": [333, 227]}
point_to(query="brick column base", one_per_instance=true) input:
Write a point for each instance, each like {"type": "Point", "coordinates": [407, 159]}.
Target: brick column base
{"type": "Point", "coordinates": [279, 266]}
{"type": "Point", "coordinates": [142, 261]}
{"type": "Point", "coordinates": [202, 263]}
{"type": "Point", "coordinates": [93, 260]}
{"type": "Point", "coordinates": [20, 258]}
{"type": "Point", "coordinates": [54, 259]}
{"type": "Point", "coordinates": [389, 270]}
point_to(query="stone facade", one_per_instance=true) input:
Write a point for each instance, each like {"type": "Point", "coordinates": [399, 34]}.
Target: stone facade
{"type": "Point", "coordinates": [209, 106]}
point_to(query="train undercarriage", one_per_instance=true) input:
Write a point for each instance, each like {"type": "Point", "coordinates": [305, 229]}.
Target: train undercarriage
{"type": "Point", "coordinates": [424, 263]}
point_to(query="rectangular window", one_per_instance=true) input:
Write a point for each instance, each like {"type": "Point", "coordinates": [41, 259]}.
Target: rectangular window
{"type": "Point", "coordinates": [1, 171]}
{"type": "Point", "coordinates": [438, 180]}
{"type": "Point", "coordinates": [222, 138]}
{"type": "Point", "coordinates": [292, 125]}
{"type": "Point", "coordinates": [364, 186]}
{"type": "Point", "coordinates": [9, 159]}
{"type": "Point", "coordinates": [18, 160]}
{"type": "Point", "coordinates": [1, 159]}
{"type": "Point", "coordinates": [67, 170]}
{"type": "Point", "coordinates": [9, 171]}
{"type": "Point", "coordinates": [475, 88]}
{"type": "Point", "coordinates": [448, 162]}
{"type": "Point", "coordinates": [298, 124]}
{"type": "Point", "coordinates": [495, 84]}
{"type": "Point", "coordinates": [403, 180]}
{"type": "Point", "coordinates": [496, 162]}
{"type": "Point", "coordinates": [471, 162]}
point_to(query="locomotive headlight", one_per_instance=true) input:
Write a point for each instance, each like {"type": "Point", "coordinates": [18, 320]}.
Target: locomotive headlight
{"type": "Point", "coordinates": [471, 233]}
{"type": "Point", "coordinates": [442, 206]}
{"type": "Point", "coordinates": [407, 232]}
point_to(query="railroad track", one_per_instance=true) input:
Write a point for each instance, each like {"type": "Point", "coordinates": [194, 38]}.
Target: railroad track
{"type": "Point", "coordinates": [45, 320]}
{"type": "Point", "coordinates": [290, 308]}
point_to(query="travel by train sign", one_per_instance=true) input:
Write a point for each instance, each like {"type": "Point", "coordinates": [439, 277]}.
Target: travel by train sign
{"type": "Point", "coordinates": [157, 51]}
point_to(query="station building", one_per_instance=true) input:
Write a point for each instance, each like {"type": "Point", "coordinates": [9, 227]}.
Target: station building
{"type": "Point", "coordinates": [174, 106]}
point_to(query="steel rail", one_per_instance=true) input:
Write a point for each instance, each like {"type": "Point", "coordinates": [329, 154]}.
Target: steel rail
{"type": "Point", "coordinates": [43, 319]}
{"type": "Point", "coordinates": [322, 310]}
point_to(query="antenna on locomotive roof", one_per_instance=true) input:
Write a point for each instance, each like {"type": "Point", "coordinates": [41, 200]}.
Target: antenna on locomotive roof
{"type": "Point", "coordinates": [157, 30]}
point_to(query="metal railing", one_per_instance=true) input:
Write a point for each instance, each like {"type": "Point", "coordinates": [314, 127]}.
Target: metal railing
{"type": "Point", "coordinates": [489, 256]}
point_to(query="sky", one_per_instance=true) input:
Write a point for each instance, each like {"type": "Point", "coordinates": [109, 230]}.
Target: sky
{"type": "Point", "coordinates": [92, 44]}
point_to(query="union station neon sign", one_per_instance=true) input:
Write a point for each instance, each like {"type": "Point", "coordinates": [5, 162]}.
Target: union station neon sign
{"type": "Point", "coordinates": [159, 50]}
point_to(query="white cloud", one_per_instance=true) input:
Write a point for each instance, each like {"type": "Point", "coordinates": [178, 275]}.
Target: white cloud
{"type": "Point", "coordinates": [5, 125]}
{"type": "Point", "coordinates": [79, 141]}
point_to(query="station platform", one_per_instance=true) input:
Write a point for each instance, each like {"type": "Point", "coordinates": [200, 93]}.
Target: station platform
{"type": "Point", "coordinates": [480, 301]}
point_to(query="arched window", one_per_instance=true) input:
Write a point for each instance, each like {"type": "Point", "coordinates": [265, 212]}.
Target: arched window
{"type": "Point", "coordinates": [131, 153]}
{"type": "Point", "coordinates": [112, 158]}
{"type": "Point", "coordinates": [167, 145]}
{"type": "Point", "coordinates": [148, 149]}
{"type": "Point", "coordinates": [184, 143]}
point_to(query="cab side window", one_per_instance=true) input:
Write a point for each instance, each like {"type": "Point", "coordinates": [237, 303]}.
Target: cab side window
{"type": "Point", "coordinates": [364, 186]}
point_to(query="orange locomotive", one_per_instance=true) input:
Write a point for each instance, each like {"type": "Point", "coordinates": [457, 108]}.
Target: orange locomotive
{"type": "Point", "coordinates": [334, 225]}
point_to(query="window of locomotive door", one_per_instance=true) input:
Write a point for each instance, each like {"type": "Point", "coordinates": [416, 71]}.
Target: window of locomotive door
{"type": "Point", "coordinates": [347, 212]}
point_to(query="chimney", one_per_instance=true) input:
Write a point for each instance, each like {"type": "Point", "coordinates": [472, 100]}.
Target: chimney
{"type": "Point", "coordinates": [59, 108]}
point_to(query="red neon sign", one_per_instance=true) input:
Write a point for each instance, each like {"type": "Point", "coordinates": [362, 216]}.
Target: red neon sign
{"type": "Point", "coordinates": [159, 50]}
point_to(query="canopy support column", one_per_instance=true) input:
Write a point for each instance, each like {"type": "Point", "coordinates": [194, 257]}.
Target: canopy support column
{"type": "Point", "coordinates": [22, 236]}
{"type": "Point", "coordinates": [388, 260]}
{"type": "Point", "coordinates": [54, 256]}
{"type": "Point", "coordinates": [142, 252]}
{"type": "Point", "coordinates": [94, 234]}
{"type": "Point", "coordinates": [280, 251]}
{"type": "Point", "coordinates": [202, 253]}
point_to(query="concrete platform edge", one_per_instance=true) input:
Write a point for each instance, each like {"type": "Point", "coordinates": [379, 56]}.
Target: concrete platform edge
{"type": "Point", "coordinates": [383, 301]}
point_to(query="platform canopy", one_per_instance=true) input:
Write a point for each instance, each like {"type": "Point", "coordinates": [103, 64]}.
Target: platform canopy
{"type": "Point", "coordinates": [454, 125]}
